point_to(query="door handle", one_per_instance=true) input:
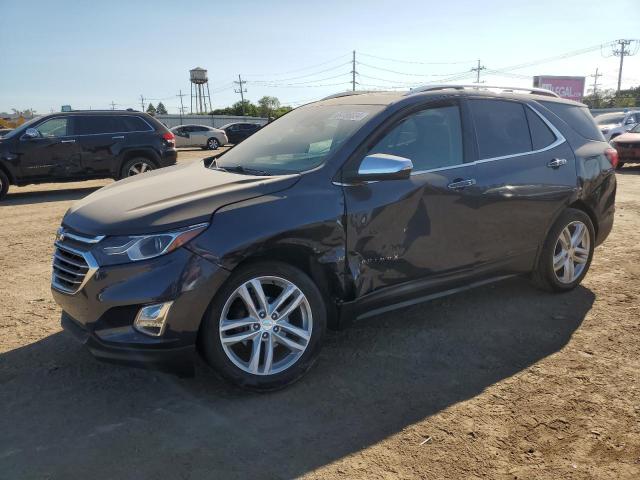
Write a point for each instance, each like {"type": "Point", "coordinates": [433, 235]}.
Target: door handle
{"type": "Point", "coordinates": [68, 141]}
{"type": "Point", "coordinates": [556, 163]}
{"type": "Point", "coordinates": [458, 184]}
{"type": "Point", "coordinates": [120, 137]}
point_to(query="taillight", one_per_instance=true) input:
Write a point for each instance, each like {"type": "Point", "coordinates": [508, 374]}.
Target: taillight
{"type": "Point", "coordinates": [169, 137]}
{"type": "Point", "coordinates": [612, 156]}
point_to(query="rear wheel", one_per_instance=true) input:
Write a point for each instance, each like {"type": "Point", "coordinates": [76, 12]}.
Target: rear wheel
{"type": "Point", "coordinates": [265, 327]}
{"type": "Point", "coordinates": [213, 144]}
{"type": "Point", "coordinates": [4, 184]}
{"type": "Point", "coordinates": [567, 252]}
{"type": "Point", "coordinates": [136, 166]}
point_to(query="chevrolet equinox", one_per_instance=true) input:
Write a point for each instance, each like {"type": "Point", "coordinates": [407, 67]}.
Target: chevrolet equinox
{"type": "Point", "coordinates": [344, 208]}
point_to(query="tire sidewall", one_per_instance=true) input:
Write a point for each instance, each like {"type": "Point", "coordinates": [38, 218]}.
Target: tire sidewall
{"type": "Point", "coordinates": [211, 346]}
{"type": "Point", "coordinates": [4, 184]}
{"type": "Point", "coordinates": [546, 258]}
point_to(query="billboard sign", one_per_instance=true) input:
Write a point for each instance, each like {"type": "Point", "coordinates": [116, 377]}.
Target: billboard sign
{"type": "Point", "coordinates": [571, 88]}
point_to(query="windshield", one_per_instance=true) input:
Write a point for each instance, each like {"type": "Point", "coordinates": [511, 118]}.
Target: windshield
{"type": "Point", "coordinates": [608, 118]}
{"type": "Point", "coordinates": [19, 130]}
{"type": "Point", "coordinates": [635, 129]}
{"type": "Point", "coordinates": [298, 141]}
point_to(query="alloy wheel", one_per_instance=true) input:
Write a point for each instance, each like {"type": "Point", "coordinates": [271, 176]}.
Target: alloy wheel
{"type": "Point", "coordinates": [213, 144]}
{"type": "Point", "coordinates": [138, 168]}
{"type": "Point", "coordinates": [571, 252]}
{"type": "Point", "coordinates": [266, 325]}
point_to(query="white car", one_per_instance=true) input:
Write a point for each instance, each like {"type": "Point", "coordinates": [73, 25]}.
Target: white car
{"type": "Point", "coordinates": [199, 136]}
{"type": "Point", "coordinates": [613, 124]}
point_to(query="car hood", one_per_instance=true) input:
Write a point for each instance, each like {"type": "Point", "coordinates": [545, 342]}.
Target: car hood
{"type": "Point", "coordinates": [165, 199]}
{"type": "Point", "coordinates": [628, 137]}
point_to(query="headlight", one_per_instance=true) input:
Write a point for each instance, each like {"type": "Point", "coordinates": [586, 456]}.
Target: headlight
{"type": "Point", "coordinates": [115, 250]}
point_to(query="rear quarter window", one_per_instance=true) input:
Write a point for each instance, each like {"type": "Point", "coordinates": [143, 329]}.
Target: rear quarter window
{"type": "Point", "coordinates": [135, 124]}
{"type": "Point", "coordinates": [578, 118]}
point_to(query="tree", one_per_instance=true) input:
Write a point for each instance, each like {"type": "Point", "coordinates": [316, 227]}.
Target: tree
{"type": "Point", "coordinates": [268, 105]}
{"type": "Point", "coordinates": [151, 110]}
{"type": "Point", "coordinates": [160, 109]}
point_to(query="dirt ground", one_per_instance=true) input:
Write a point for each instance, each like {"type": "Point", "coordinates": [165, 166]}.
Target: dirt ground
{"type": "Point", "coordinates": [500, 382]}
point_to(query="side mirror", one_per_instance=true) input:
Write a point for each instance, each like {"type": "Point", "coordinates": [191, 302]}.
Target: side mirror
{"type": "Point", "coordinates": [382, 166]}
{"type": "Point", "coordinates": [31, 133]}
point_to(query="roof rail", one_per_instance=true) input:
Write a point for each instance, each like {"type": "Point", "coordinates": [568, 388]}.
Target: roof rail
{"type": "Point", "coordinates": [350, 93]}
{"type": "Point", "coordinates": [475, 86]}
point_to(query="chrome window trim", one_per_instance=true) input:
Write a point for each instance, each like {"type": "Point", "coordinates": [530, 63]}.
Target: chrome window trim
{"type": "Point", "coordinates": [558, 141]}
{"type": "Point", "coordinates": [151, 129]}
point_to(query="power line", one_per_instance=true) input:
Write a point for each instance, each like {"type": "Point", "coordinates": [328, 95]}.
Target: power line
{"type": "Point", "coordinates": [300, 69]}
{"type": "Point", "coordinates": [413, 62]}
{"type": "Point", "coordinates": [302, 76]}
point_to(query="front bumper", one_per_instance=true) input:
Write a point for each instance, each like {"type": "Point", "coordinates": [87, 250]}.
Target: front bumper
{"type": "Point", "coordinates": [102, 313]}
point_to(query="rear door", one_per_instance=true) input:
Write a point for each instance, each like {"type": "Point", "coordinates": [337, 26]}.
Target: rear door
{"type": "Point", "coordinates": [54, 154]}
{"type": "Point", "coordinates": [422, 227]}
{"type": "Point", "coordinates": [101, 137]}
{"type": "Point", "coordinates": [526, 173]}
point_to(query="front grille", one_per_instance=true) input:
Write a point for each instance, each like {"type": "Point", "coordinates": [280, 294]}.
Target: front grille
{"type": "Point", "coordinates": [73, 265]}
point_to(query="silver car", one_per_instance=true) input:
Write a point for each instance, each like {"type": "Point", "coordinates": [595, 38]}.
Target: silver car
{"type": "Point", "coordinates": [614, 124]}
{"type": "Point", "coordinates": [199, 136]}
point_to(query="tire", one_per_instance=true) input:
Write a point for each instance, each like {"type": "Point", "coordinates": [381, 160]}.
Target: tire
{"type": "Point", "coordinates": [236, 361]}
{"type": "Point", "coordinates": [562, 276]}
{"type": "Point", "coordinates": [213, 144]}
{"type": "Point", "coordinates": [137, 163]}
{"type": "Point", "coordinates": [4, 184]}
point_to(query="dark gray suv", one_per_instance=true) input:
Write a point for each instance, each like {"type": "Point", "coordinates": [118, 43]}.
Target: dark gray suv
{"type": "Point", "coordinates": [343, 208]}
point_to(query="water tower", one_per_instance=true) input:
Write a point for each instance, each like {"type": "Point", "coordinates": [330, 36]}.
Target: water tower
{"type": "Point", "coordinates": [200, 81]}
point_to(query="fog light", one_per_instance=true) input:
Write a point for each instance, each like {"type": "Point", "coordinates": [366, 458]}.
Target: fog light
{"type": "Point", "coordinates": [152, 319]}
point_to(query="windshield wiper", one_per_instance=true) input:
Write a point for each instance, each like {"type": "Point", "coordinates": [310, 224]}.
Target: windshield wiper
{"type": "Point", "coordinates": [243, 170]}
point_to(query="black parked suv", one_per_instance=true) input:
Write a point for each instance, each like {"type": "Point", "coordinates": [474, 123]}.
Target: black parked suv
{"type": "Point", "coordinates": [343, 208]}
{"type": "Point", "coordinates": [79, 145]}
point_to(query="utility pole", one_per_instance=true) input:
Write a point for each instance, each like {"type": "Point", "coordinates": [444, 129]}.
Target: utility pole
{"type": "Point", "coordinates": [181, 105]}
{"type": "Point", "coordinates": [353, 72]}
{"type": "Point", "coordinates": [142, 102]}
{"type": "Point", "coordinates": [595, 83]}
{"type": "Point", "coordinates": [113, 105]}
{"type": "Point", "coordinates": [621, 52]}
{"type": "Point", "coordinates": [241, 91]}
{"type": "Point", "coordinates": [477, 70]}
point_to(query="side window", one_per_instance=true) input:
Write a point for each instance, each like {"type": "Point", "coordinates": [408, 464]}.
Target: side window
{"type": "Point", "coordinates": [541, 135]}
{"type": "Point", "coordinates": [95, 125]}
{"type": "Point", "coordinates": [56, 127]}
{"type": "Point", "coordinates": [135, 124]}
{"type": "Point", "coordinates": [501, 128]}
{"type": "Point", "coordinates": [431, 139]}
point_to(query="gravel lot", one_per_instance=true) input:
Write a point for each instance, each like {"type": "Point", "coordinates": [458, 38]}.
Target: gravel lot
{"type": "Point", "coordinates": [501, 382]}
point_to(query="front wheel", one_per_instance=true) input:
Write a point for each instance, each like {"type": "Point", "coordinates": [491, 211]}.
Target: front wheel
{"type": "Point", "coordinates": [567, 252]}
{"type": "Point", "coordinates": [4, 184]}
{"type": "Point", "coordinates": [265, 327]}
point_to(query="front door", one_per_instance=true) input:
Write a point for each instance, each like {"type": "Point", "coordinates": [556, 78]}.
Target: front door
{"type": "Point", "coordinates": [422, 227]}
{"type": "Point", "coordinates": [54, 154]}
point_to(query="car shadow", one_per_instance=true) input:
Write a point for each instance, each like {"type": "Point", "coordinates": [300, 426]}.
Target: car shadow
{"type": "Point", "coordinates": [67, 415]}
{"type": "Point", "coordinates": [45, 196]}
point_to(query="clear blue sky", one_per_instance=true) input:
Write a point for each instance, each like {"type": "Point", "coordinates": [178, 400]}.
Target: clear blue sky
{"type": "Point", "coordinates": [90, 53]}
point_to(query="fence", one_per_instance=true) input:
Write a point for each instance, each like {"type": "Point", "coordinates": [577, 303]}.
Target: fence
{"type": "Point", "coordinates": [211, 120]}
